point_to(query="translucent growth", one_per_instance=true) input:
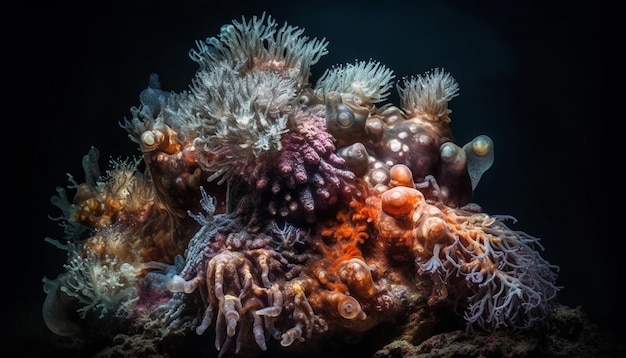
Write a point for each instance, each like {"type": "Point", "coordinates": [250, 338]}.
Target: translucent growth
{"type": "Point", "coordinates": [369, 82]}
{"type": "Point", "coordinates": [292, 335]}
{"type": "Point", "coordinates": [428, 95]}
{"type": "Point", "coordinates": [152, 98]}
{"type": "Point", "coordinates": [480, 155]}
{"type": "Point", "coordinates": [73, 231]}
{"type": "Point", "coordinates": [98, 286]}
{"type": "Point", "coordinates": [124, 183]}
{"type": "Point", "coordinates": [91, 167]}
{"type": "Point", "coordinates": [142, 121]}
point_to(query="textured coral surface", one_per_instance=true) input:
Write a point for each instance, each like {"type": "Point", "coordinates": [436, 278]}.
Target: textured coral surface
{"type": "Point", "coordinates": [269, 212]}
{"type": "Point", "coordinates": [268, 215]}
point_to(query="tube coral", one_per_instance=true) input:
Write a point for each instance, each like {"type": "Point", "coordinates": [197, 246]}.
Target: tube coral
{"type": "Point", "coordinates": [273, 214]}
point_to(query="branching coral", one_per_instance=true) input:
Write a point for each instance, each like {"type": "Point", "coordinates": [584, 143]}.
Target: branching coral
{"type": "Point", "coordinates": [273, 214]}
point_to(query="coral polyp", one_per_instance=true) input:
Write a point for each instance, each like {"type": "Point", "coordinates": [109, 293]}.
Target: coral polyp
{"type": "Point", "coordinates": [273, 215]}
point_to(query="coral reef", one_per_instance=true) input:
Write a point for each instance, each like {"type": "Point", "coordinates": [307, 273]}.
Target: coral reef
{"type": "Point", "coordinates": [270, 214]}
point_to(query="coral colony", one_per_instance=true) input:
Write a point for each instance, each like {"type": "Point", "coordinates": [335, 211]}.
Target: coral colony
{"type": "Point", "coordinates": [274, 213]}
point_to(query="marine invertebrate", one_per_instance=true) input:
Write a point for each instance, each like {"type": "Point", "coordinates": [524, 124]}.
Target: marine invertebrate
{"type": "Point", "coordinates": [273, 214]}
{"type": "Point", "coordinates": [479, 154]}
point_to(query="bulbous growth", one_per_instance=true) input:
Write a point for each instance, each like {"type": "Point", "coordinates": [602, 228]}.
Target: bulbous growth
{"type": "Point", "coordinates": [346, 306]}
{"type": "Point", "coordinates": [400, 201]}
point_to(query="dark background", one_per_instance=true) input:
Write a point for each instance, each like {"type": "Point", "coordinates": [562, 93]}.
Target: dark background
{"type": "Point", "coordinates": [532, 76]}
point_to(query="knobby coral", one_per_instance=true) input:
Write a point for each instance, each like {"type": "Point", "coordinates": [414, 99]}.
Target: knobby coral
{"type": "Point", "coordinates": [273, 214]}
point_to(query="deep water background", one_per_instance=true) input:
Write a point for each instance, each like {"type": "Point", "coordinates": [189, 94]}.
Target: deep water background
{"type": "Point", "coordinates": [532, 76]}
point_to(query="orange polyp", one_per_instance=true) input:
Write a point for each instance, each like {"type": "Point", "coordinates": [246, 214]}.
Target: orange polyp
{"type": "Point", "coordinates": [401, 175]}
{"type": "Point", "coordinates": [400, 201]}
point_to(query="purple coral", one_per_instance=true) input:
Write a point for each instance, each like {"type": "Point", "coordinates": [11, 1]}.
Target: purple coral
{"type": "Point", "coordinates": [306, 176]}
